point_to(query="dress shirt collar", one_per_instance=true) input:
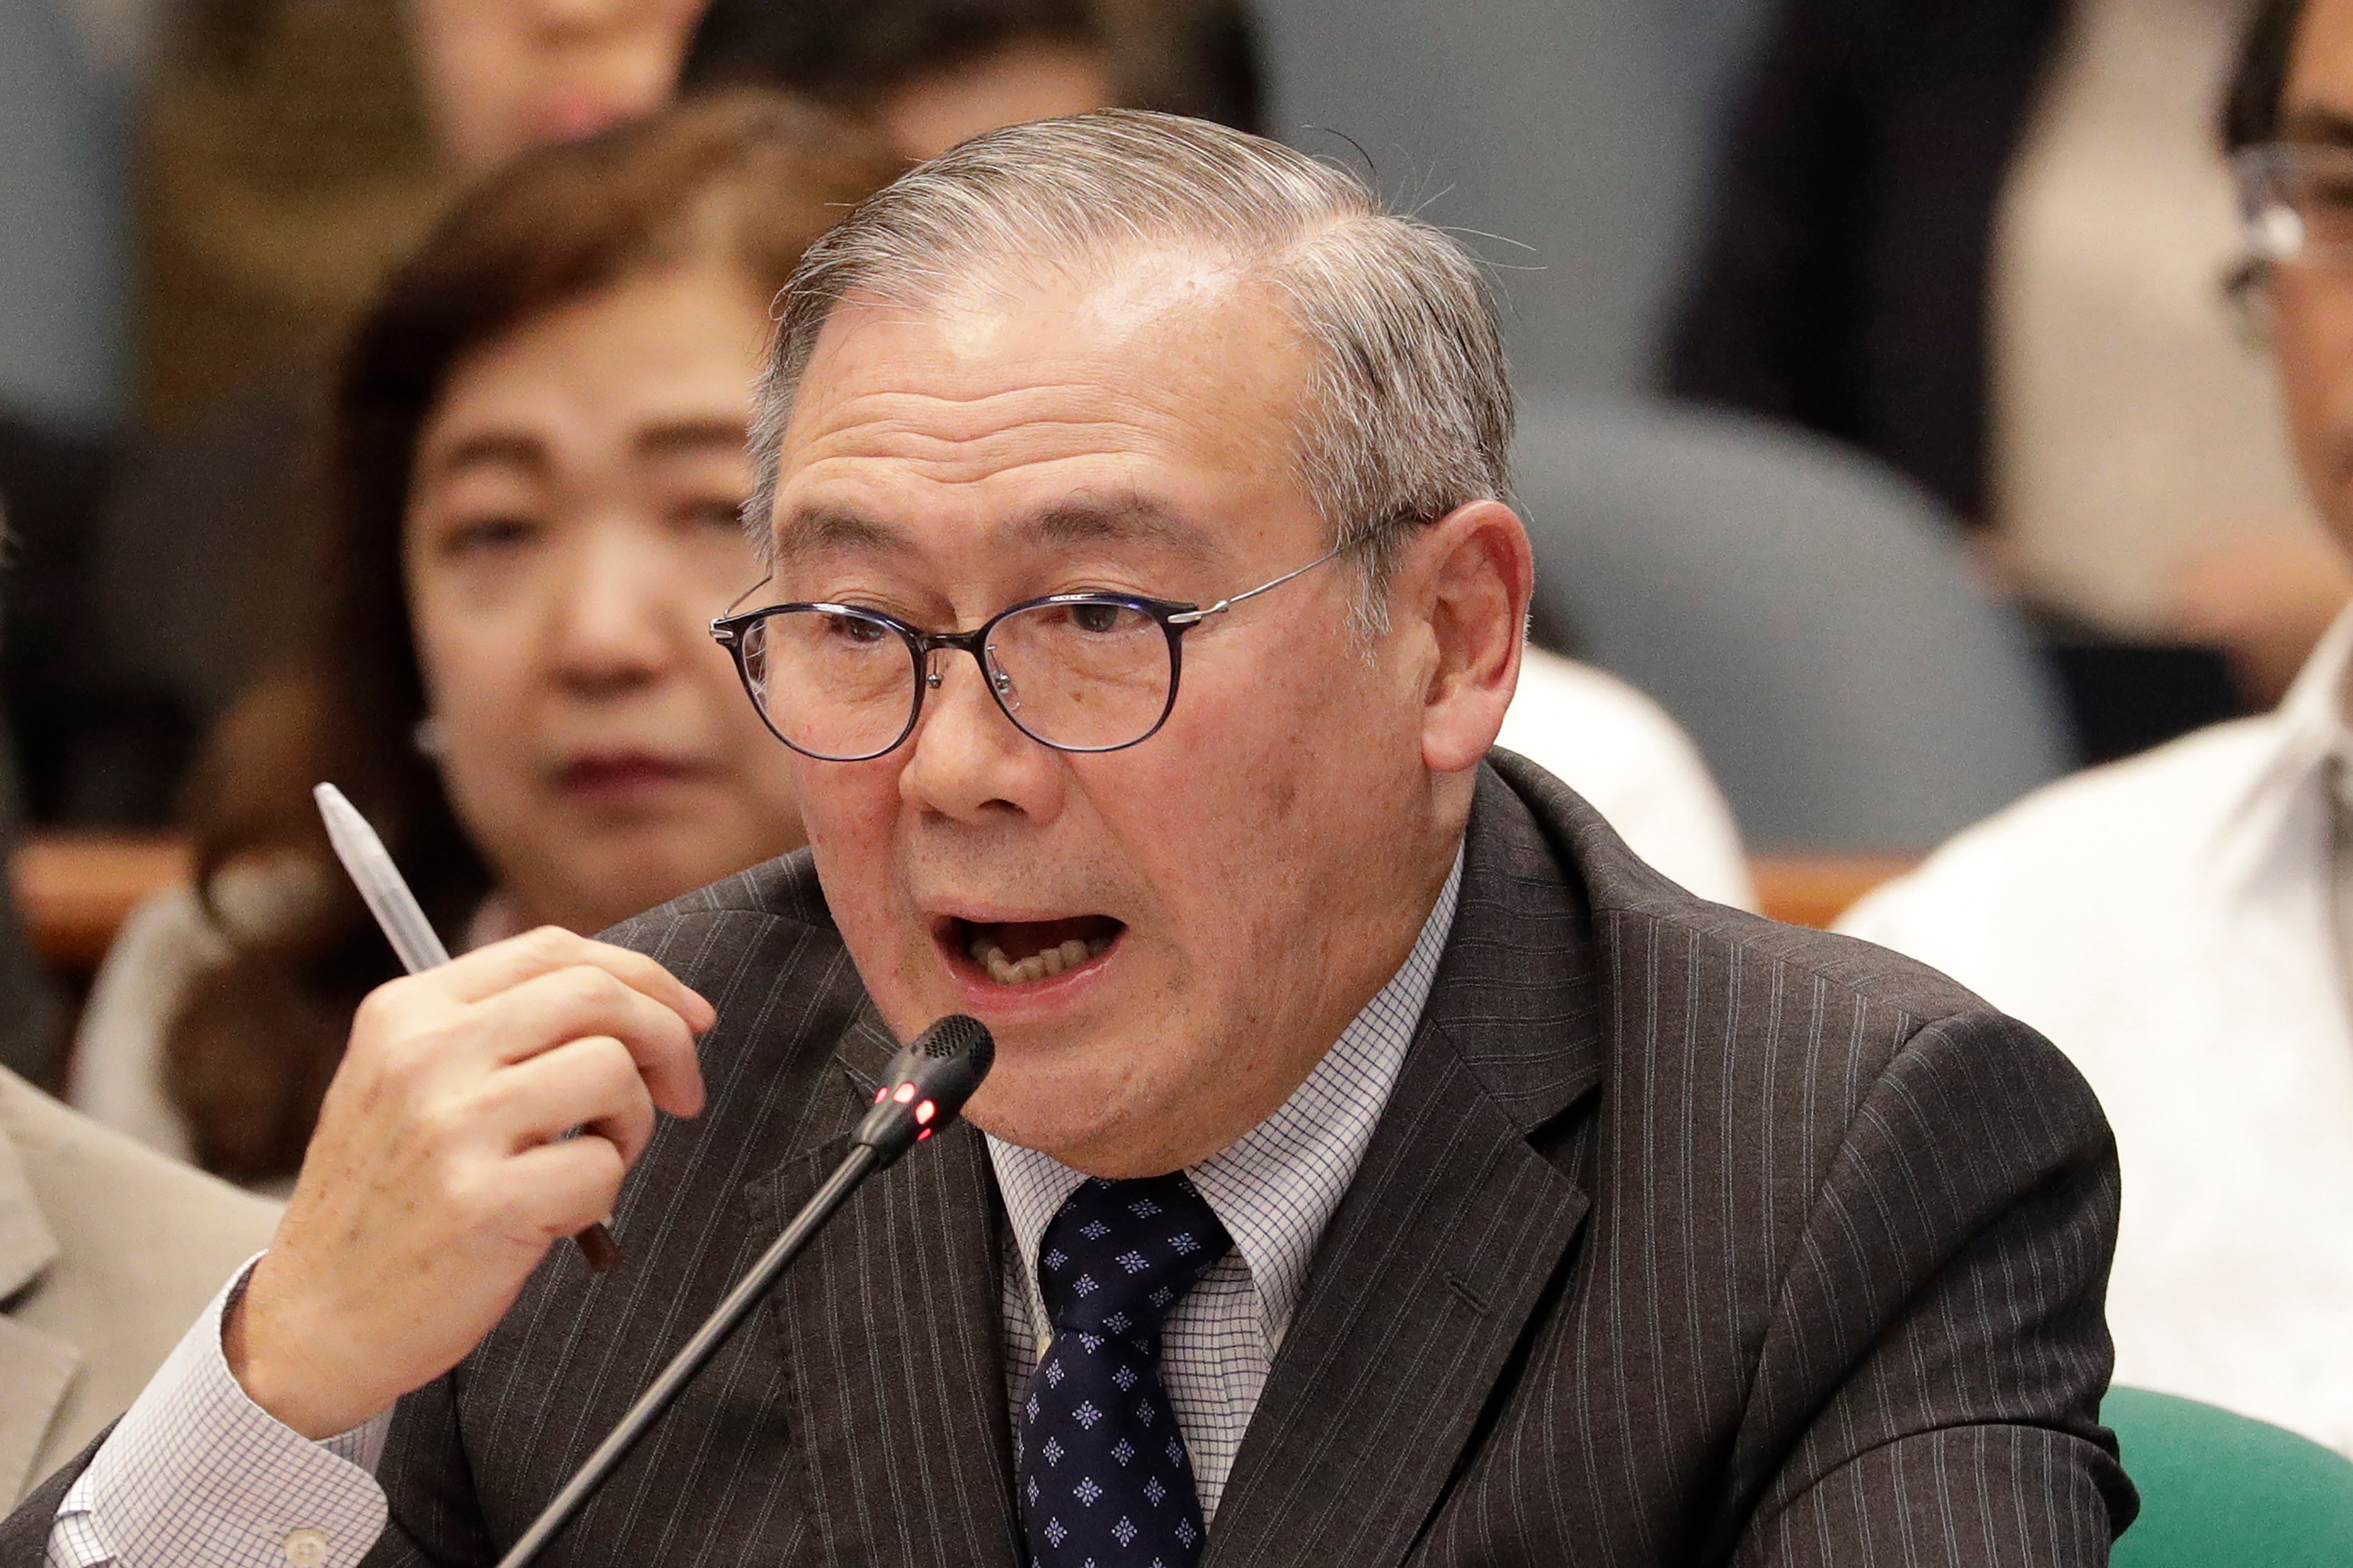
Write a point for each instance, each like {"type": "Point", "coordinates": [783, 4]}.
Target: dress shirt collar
{"type": "Point", "coordinates": [2311, 740]}
{"type": "Point", "coordinates": [1276, 1187]}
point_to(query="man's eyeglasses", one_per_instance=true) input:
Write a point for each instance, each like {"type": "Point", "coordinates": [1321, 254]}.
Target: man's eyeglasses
{"type": "Point", "coordinates": [1078, 672]}
{"type": "Point", "coordinates": [2295, 204]}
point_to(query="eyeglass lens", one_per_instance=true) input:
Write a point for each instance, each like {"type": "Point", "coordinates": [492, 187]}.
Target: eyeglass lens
{"type": "Point", "coordinates": [844, 686]}
{"type": "Point", "coordinates": [2298, 202]}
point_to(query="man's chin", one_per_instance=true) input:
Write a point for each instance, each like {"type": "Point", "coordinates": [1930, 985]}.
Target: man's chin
{"type": "Point", "coordinates": [1060, 1114]}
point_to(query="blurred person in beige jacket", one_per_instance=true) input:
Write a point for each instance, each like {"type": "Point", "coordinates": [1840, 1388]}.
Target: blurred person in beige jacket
{"type": "Point", "coordinates": [107, 1251]}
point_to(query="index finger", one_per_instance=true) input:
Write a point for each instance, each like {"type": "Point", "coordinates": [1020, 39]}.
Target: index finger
{"type": "Point", "coordinates": [502, 965]}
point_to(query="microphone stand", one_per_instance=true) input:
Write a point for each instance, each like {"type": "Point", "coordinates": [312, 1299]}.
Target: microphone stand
{"type": "Point", "coordinates": [923, 1090]}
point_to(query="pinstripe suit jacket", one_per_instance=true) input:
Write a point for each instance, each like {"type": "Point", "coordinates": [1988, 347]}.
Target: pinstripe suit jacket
{"type": "Point", "coordinates": [1686, 1239]}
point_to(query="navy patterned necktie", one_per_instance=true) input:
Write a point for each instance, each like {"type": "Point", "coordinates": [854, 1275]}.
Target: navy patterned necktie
{"type": "Point", "coordinates": [1105, 1480]}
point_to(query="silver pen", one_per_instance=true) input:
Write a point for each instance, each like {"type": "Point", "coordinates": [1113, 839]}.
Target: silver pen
{"type": "Point", "coordinates": [413, 937]}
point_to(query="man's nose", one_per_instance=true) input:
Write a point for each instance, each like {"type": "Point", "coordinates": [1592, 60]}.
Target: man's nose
{"type": "Point", "coordinates": [968, 761]}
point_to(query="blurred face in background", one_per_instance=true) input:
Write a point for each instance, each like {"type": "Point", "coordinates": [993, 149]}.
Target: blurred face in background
{"type": "Point", "coordinates": [1027, 78]}
{"type": "Point", "coordinates": [572, 529]}
{"type": "Point", "coordinates": [501, 76]}
{"type": "Point", "coordinates": [2313, 303]}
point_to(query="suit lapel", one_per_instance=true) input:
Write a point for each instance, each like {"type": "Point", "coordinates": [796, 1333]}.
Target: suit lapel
{"type": "Point", "coordinates": [891, 1326]}
{"type": "Point", "coordinates": [36, 1368]}
{"type": "Point", "coordinates": [1450, 1235]}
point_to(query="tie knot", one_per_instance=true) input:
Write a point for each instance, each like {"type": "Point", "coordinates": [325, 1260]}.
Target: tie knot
{"type": "Point", "coordinates": [1119, 1255]}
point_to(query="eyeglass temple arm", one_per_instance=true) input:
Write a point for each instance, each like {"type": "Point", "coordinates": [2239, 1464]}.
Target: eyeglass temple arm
{"type": "Point", "coordinates": [1194, 617]}
{"type": "Point", "coordinates": [726, 634]}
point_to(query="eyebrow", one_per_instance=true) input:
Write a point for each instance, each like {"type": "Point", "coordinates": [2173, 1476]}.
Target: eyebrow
{"type": "Point", "coordinates": [813, 527]}
{"type": "Point", "coordinates": [489, 448]}
{"type": "Point", "coordinates": [1119, 519]}
{"type": "Point", "coordinates": [515, 448]}
{"type": "Point", "coordinates": [691, 437]}
{"type": "Point", "coordinates": [2315, 123]}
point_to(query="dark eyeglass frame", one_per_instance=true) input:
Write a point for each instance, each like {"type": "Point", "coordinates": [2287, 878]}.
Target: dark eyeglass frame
{"type": "Point", "coordinates": [1174, 617]}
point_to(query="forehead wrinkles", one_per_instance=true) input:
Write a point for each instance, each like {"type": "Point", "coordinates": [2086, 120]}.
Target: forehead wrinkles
{"type": "Point", "coordinates": [1183, 361]}
{"type": "Point", "coordinates": [960, 440]}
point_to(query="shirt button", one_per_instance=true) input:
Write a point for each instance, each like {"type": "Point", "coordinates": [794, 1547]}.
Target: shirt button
{"type": "Point", "coordinates": [306, 1548]}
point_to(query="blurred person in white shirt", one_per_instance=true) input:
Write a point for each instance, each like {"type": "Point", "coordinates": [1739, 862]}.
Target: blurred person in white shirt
{"type": "Point", "coordinates": [2181, 923]}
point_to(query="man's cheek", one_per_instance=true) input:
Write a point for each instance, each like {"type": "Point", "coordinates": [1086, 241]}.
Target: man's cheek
{"type": "Point", "coordinates": [845, 808]}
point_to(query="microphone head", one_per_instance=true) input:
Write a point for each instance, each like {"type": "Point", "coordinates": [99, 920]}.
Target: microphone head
{"type": "Point", "coordinates": [925, 1086]}
{"type": "Point", "coordinates": [958, 1035]}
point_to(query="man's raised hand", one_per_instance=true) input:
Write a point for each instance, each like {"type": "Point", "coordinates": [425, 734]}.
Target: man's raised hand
{"type": "Point", "coordinates": [439, 1175]}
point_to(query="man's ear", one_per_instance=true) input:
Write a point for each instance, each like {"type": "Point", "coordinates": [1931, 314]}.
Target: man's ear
{"type": "Point", "coordinates": [1473, 573]}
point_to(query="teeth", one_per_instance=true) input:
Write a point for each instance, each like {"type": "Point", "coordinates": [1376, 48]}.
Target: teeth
{"type": "Point", "coordinates": [1039, 966]}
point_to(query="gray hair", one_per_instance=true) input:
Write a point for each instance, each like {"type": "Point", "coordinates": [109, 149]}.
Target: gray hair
{"type": "Point", "coordinates": [1408, 413]}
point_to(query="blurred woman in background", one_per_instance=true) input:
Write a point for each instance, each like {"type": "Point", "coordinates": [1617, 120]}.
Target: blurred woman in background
{"type": "Point", "coordinates": [289, 155]}
{"type": "Point", "coordinates": [500, 77]}
{"type": "Point", "coordinates": [539, 454]}
{"type": "Point", "coordinates": [934, 72]}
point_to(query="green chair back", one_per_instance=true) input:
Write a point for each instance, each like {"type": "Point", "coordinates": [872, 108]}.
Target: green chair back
{"type": "Point", "coordinates": [2221, 1490]}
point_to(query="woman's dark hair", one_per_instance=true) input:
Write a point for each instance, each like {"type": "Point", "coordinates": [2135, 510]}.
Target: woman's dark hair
{"type": "Point", "coordinates": [2258, 91]}
{"type": "Point", "coordinates": [1185, 57]}
{"type": "Point", "coordinates": [753, 177]}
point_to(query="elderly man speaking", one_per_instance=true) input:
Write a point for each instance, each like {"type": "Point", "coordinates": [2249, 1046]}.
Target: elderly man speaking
{"type": "Point", "coordinates": [1143, 610]}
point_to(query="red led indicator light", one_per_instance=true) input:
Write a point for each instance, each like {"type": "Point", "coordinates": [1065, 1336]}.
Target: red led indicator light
{"type": "Point", "coordinates": [925, 1111]}
{"type": "Point", "coordinates": [906, 1092]}
{"type": "Point", "coordinates": [926, 1132]}
{"type": "Point", "coordinates": [882, 1094]}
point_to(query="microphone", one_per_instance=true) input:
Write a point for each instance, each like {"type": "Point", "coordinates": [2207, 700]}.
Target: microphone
{"type": "Point", "coordinates": [923, 1089]}
{"type": "Point", "coordinates": [926, 1086]}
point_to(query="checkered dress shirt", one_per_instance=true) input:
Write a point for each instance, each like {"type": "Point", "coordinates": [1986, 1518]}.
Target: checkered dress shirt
{"type": "Point", "coordinates": [1274, 1190]}
{"type": "Point", "coordinates": [196, 1473]}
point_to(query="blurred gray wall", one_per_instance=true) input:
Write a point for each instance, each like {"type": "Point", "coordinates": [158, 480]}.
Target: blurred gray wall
{"type": "Point", "coordinates": [62, 329]}
{"type": "Point", "coordinates": [1576, 128]}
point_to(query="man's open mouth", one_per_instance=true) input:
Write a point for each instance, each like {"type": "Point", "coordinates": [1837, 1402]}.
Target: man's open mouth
{"type": "Point", "coordinates": [1017, 953]}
